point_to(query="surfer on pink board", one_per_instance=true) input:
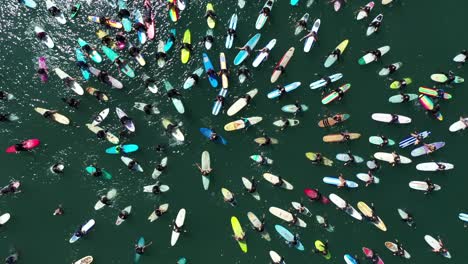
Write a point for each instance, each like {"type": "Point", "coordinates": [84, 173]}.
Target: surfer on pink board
{"type": "Point", "coordinates": [23, 146]}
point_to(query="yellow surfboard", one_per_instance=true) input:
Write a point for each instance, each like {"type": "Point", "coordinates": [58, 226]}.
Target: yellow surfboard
{"type": "Point", "coordinates": [185, 53]}
{"type": "Point", "coordinates": [367, 211]}
{"type": "Point", "coordinates": [342, 46]}
{"type": "Point", "coordinates": [321, 247]}
{"type": "Point", "coordinates": [210, 21]}
{"type": "Point", "coordinates": [237, 229]}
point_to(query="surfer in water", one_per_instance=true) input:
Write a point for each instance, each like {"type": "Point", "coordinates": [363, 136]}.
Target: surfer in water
{"type": "Point", "coordinates": [214, 136]}
{"type": "Point", "coordinates": [156, 188]}
{"type": "Point", "coordinates": [132, 165]}
{"type": "Point", "coordinates": [440, 166]}
{"type": "Point", "coordinates": [312, 34]}
{"type": "Point", "coordinates": [373, 164]}
{"type": "Point", "coordinates": [240, 237]}
{"type": "Point", "coordinates": [430, 148]}
{"type": "Point", "coordinates": [301, 208]}
{"type": "Point", "coordinates": [202, 171]}
{"type": "Point", "coordinates": [418, 137]}
{"type": "Point", "coordinates": [324, 251]}
{"type": "Point", "coordinates": [350, 158]}
{"type": "Point", "coordinates": [318, 158]}
{"type": "Point", "coordinates": [266, 10]}
{"type": "Point", "coordinates": [371, 179]}
{"type": "Point", "coordinates": [409, 219]}
{"type": "Point", "coordinates": [464, 120]}
{"type": "Point", "coordinates": [400, 250]}
{"type": "Point", "coordinates": [158, 211]}
{"type": "Point", "coordinates": [396, 159]}
{"type": "Point", "coordinates": [267, 140]}
{"type": "Point", "coordinates": [261, 227]}
{"type": "Point", "coordinates": [346, 136]}
{"type": "Point", "coordinates": [430, 186]}
{"type": "Point", "coordinates": [253, 188]}
{"type": "Point", "coordinates": [394, 118]}
{"type": "Point", "coordinates": [285, 123]}
{"type": "Point", "coordinates": [298, 108]}
{"type": "Point", "coordinates": [59, 210]}
{"type": "Point", "coordinates": [342, 181]}
{"type": "Point", "coordinates": [105, 200]}
{"type": "Point", "coordinates": [279, 183]}
{"type": "Point", "coordinates": [141, 249]}
{"type": "Point", "coordinates": [57, 168]}
{"type": "Point", "coordinates": [123, 214]}
{"type": "Point", "coordinates": [384, 141]}
{"type": "Point", "coordinates": [442, 250]}
{"type": "Point", "coordinates": [404, 97]}
{"type": "Point", "coordinates": [391, 68]}
{"type": "Point", "coordinates": [295, 241]}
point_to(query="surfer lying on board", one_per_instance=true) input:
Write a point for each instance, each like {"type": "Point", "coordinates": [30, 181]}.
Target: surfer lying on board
{"type": "Point", "coordinates": [141, 249]}
{"type": "Point", "coordinates": [340, 93]}
{"type": "Point", "coordinates": [210, 13]}
{"type": "Point", "coordinates": [294, 218]}
{"type": "Point", "coordinates": [377, 53]}
{"type": "Point", "coordinates": [350, 158]}
{"type": "Point", "coordinates": [342, 181]}
{"type": "Point", "coordinates": [156, 188]}
{"type": "Point", "coordinates": [231, 32]}
{"type": "Point", "coordinates": [213, 136]}
{"type": "Point", "coordinates": [430, 186]}
{"type": "Point", "coordinates": [301, 208]}
{"type": "Point", "coordinates": [12, 187]}
{"type": "Point", "coordinates": [245, 48]}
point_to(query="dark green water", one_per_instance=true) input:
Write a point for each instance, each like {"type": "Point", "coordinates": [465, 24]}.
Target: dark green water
{"type": "Point", "coordinates": [423, 35]}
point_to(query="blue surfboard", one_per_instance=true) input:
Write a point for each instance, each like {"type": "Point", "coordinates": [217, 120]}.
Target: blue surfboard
{"type": "Point", "coordinates": [286, 234]}
{"type": "Point", "coordinates": [209, 66]}
{"type": "Point", "coordinates": [207, 133]}
{"type": "Point", "coordinates": [127, 148]}
{"type": "Point", "coordinates": [242, 55]}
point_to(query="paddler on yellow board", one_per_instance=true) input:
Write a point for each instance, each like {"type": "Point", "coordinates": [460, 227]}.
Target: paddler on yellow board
{"type": "Point", "coordinates": [324, 251]}
{"type": "Point", "coordinates": [239, 238]}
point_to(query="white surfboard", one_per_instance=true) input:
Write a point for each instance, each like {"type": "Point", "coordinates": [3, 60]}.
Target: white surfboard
{"type": "Point", "coordinates": [156, 173]}
{"type": "Point", "coordinates": [100, 117]}
{"type": "Point", "coordinates": [273, 179]}
{"type": "Point", "coordinates": [205, 165]}
{"type": "Point", "coordinates": [163, 208]}
{"type": "Point", "coordinates": [179, 221]}
{"type": "Point", "coordinates": [248, 185]}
